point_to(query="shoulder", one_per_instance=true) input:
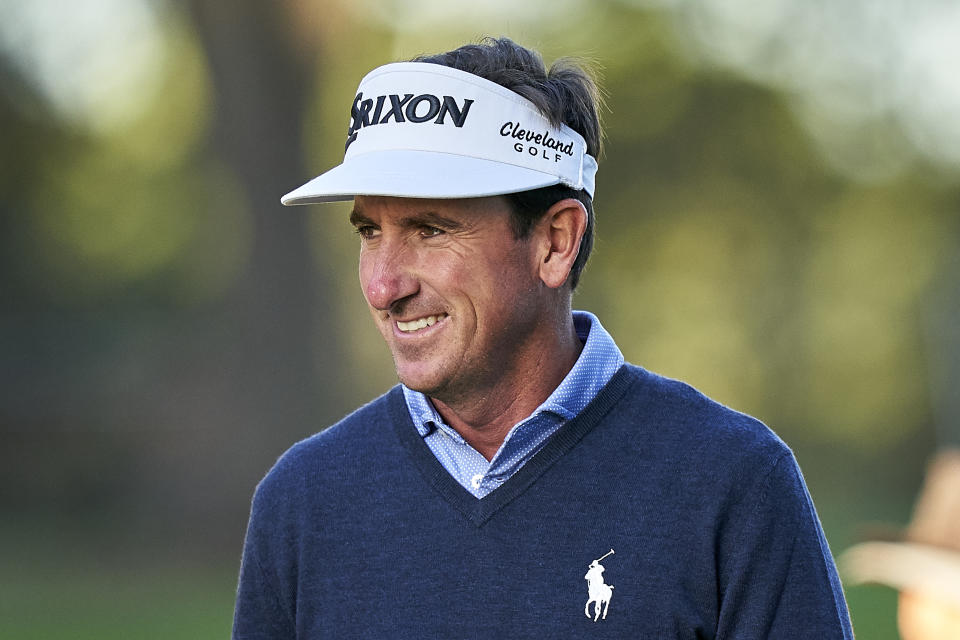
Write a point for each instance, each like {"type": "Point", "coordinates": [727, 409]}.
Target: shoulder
{"type": "Point", "coordinates": [678, 424]}
{"type": "Point", "coordinates": [688, 411]}
{"type": "Point", "coordinates": [323, 457]}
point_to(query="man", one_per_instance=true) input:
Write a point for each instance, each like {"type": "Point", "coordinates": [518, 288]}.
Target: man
{"type": "Point", "coordinates": [519, 446]}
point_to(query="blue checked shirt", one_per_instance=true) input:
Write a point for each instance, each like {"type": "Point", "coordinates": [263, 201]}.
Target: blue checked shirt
{"type": "Point", "coordinates": [597, 363]}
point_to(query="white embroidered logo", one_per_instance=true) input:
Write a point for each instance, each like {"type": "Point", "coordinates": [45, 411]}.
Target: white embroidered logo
{"type": "Point", "coordinates": [599, 592]}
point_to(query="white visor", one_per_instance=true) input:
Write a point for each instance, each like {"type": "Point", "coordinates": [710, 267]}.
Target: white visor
{"type": "Point", "coordinates": [423, 130]}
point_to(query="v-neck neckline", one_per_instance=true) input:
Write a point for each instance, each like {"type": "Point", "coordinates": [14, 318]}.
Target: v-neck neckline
{"type": "Point", "coordinates": [480, 510]}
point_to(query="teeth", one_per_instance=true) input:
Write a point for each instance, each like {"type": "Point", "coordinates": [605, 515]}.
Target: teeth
{"type": "Point", "coordinates": [419, 323]}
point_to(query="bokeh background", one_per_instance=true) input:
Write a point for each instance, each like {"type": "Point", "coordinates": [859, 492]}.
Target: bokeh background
{"type": "Point", "coordinates": [778, 214]}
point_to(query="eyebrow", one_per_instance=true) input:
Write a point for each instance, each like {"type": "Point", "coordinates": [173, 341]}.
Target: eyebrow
{"type": "Point", "coordinates": [432, 219]}
{"type": "Point", "coordinates": [357, 219]}
{"type": "Point", "coordinates": [425, 218]}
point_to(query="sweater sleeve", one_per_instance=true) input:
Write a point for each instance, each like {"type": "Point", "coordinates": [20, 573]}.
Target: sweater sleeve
{"type": "Point", "coordinates": [260, 612]}
{"type": "Point", "coordinates": [777, 576]}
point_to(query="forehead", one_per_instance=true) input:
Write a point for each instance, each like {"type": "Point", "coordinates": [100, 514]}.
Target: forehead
{"type": "Point", "coordinates": [464, 211]}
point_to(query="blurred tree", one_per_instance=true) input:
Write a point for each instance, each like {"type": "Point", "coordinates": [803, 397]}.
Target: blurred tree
{"type": "Point", "coordinates": [266, 389]}
{"type": "Point", "coordinates": [160, 304]}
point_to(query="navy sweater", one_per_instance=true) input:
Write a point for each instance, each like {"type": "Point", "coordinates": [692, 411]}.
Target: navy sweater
{"type": "Point", "coordinates": [359, 532]}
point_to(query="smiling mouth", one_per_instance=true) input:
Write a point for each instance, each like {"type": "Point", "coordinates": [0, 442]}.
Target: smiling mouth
{"type": "Point", "coordinates": [420, 323]}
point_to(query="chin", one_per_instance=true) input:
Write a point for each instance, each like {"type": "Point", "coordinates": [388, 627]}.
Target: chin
{"type": "Point", "coordinates": [422, 378]}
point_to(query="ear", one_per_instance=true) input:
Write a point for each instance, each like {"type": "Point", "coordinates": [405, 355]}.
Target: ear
{"type": "Point", "coordinates": [561, 229]}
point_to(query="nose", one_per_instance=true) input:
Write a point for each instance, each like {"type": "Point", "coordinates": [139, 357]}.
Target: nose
{"type": "Point", "coordinates": [386, 274]}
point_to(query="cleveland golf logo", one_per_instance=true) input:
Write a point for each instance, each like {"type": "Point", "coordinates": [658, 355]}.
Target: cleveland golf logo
{"type": "Point", "coordinates": [542, 141]}
{"type": "Point", "coordinates": [422, 108]}
{"type": "Point", "coordinates": [599, 592]}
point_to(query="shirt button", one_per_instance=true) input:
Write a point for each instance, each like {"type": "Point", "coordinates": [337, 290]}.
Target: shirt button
{"type": "Point", "coordinates": [476, 480]}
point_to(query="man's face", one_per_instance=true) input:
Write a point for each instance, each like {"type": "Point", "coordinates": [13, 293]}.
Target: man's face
{"type": "Point", "coordinates": [452, 290]}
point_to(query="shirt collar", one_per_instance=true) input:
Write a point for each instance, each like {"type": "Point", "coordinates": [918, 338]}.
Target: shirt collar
{"type": "Point", "coordinates": [598, 361]}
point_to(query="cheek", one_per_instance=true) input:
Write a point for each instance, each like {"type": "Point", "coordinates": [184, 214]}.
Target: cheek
{"type": "Point", "coordinates": [365, 270]}
{"type": "Point", "coordinates": [504, 294]}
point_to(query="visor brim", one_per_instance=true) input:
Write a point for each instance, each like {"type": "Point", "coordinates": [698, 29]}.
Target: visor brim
{"type": "Point", "coordinates": [417, 174]}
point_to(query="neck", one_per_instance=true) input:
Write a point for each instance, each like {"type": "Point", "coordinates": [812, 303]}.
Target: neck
{"type": "Point", "coordinates": [485, 417]}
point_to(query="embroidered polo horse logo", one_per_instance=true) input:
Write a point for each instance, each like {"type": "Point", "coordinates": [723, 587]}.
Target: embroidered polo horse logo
{"type": "Point", "coordinates": [599, 592]}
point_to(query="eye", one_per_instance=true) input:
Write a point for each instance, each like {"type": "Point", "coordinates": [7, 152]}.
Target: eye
{"type": "Point", "coordinates": [366, 231]}
{"type": "Point", "coordinates": [429, 232]}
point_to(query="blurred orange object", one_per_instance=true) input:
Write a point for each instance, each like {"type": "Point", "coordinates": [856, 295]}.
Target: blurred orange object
{"type": "Point", "coordinates": [925, 564]}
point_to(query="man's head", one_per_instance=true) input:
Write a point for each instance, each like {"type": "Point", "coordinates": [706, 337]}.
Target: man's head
{"type": "Point", "coordinates": [472, 174]}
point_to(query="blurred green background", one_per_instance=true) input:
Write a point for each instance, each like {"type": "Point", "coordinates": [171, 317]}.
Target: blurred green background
{"type": "Point", "coordinates": [778, 214]}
